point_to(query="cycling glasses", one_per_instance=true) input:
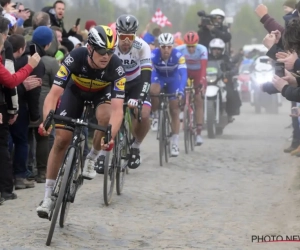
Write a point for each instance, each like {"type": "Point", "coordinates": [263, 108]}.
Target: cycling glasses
{"type": "Point", "coordinates": [191, 46]}
{"type": "Point", "coordinates": [124, 37]}
{"type": "Point", "coordinates": [103, 52]}
{"type": "Point", "coordinates": [166, 46]}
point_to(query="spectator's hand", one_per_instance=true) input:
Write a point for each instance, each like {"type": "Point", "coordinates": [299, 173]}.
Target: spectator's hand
{"type": "Point", "coordinates": [24, 14]}
{"type": "Point", "coordinates": [269, 40]}
{"type": "Point", "coordinates": [290, 79]}
{"type": "Point", "coordinates": [277, 34]}
{"type": "Point", "coordinates": [34, 60]}
{"type": "Point", "coordinates": [1, 121]}
{"type": "Point", "coordinates": [32, 82]}
{"type": "Point", "coordinates": [12, 120]}
{"type": "Point", "coordinates": [148, 26]}
{"type": "Point", "coordinates": [261, 10]}
{"type": "Point", "coordinates": [282, 55]}
{"type": "Point", "coordinates": [210, 27]}
{"type": "Point", "coordinates": [289, 61]}
{"type": "Point", "coordinates": [279, 83]}
{"type": "Point", "coordinates": [76, 28]}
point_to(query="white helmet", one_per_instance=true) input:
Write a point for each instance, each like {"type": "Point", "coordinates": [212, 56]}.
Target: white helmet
{"type": "Point", "coordinates": [166, 39]}
{"type": "Point", "coordinates": [217, 43]}
{"type": "Point", "coordinates": [218, 12]}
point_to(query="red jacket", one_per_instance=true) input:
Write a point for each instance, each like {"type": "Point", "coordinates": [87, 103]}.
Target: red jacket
{"type": "Point", "coordinates": [12, 80]}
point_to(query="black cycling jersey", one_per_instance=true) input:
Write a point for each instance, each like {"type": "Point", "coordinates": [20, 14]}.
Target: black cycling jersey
{"type": "Point", "coordinates": [75, 70]}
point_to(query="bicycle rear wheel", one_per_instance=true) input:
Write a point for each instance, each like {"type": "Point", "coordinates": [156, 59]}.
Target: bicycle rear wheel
{"type": "Point", "coordinates": [67, 164]}
{"type": "Point", "coordinates": [122, 164]}
{"type": "Point", "coordinates": [186, 119]}
{"type": "Point", "coordinates": [110, 175]}
{"type": "Point", "coordinates": [161, 136]}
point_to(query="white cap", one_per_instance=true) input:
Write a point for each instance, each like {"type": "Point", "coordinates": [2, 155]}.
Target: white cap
{"type": "Point", "coordinates": [74, 40]}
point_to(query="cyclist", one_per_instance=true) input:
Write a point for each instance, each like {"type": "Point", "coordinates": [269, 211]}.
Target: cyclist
{"type": "Point", "coordinates": [168, 67]}
{"type": "Point", "coordinates": [196, 59]}
{"type": "Point", "coordinates": [135, 54]}
{"type": "Point", "coordinates": [91, 73]}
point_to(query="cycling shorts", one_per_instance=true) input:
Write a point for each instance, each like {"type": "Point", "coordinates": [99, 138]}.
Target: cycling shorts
{"type": "Point", "coordinates": [71, 103]}
{"type": "Point", "coordinates": [195, 75]}
{"type": "Point", "coordinates": [173, 83]}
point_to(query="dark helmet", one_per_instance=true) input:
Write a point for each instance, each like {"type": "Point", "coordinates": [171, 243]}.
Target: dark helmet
{"type": "Point", "coordinates": [127, 24]}
{"type": "Point", "coordinates": [102, 37]}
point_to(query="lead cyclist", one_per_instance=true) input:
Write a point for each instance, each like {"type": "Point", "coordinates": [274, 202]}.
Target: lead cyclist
{"type": "Point", "coordinates": [135, 54]}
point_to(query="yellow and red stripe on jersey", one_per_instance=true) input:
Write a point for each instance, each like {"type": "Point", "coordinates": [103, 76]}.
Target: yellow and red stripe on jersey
{"type": "Point", "coordinates": [89, 85]}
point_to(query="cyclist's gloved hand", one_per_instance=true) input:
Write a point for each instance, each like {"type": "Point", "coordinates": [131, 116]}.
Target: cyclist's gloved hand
{"type": "Point", "coordinates": [179, 95]}
{"type": "Point", "coordinates": [132, 103]}
{"type": "Point", "coordinates": [107, 147]}
{"type": "Point", "coordinates": [42, 131]}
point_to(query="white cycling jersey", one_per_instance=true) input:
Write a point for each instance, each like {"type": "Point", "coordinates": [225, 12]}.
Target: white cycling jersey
{"type": "Point", "coordinates": [136, 59]}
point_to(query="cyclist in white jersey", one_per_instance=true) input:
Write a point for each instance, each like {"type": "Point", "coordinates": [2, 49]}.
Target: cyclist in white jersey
{"type": "Point", "coordinates": [135, 54]}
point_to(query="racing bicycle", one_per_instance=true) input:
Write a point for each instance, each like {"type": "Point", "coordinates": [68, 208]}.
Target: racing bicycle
{"type": "Point", "coordinates": [69, 178]}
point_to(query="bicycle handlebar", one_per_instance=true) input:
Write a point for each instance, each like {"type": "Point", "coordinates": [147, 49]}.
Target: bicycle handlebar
{"type": "Point", "coordinates": [77, 122]}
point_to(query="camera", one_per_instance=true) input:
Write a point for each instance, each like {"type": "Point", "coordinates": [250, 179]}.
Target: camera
{"type": "Point", "coordinates": [205, 19]}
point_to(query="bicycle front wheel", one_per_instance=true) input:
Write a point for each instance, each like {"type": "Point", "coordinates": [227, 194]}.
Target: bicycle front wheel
{"type": "Point", "coordinates": [161, 136]}
{"type": "Point", "coordinates": [186, 120]}
{"type": "Point", "coordinates": [167, 137]}
{"type": "Point", "coordinates": [193, 127]}
{"type": "Point", "coordinates": [67, 164]}
{"type": "Point", "coordinates": [110, 175]}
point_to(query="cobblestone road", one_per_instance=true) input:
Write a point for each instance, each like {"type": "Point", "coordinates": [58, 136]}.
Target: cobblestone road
{"type": "Point", "coordinates": [238, 185]}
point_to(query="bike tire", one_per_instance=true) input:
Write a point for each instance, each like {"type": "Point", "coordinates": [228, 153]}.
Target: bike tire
{"type": "Point", "coordinates": [121, 167]}
{"type": "Point", "coordinates": [193, 128]}
{"type": "Point", "coordinates": [186, 132]}
{"type": "Point", "coordinates": [128, 128]}
{"type": "Point", "coordinates": [65, 203]}
{"type": "Point", "coordinates": [161, 136]}
{"type": "Point", "coordinates": [110, 176]}
{"type": "Point", "coordinates": [62, 191]}
{"type": "Point", "coordinates": [167, 137]}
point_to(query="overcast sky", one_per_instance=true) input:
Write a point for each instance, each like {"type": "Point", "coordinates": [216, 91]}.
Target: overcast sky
{"type": "Point", "coordinates": [124, 3]}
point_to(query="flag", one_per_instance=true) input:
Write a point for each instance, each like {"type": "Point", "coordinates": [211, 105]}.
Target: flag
{"type": "Point", "coordinates": [160, 19]}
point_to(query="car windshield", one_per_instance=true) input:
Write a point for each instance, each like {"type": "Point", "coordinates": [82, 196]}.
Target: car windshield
{"type": "Point", "coordinates": [244, 67]}
{"type": "Point", "coordinates": [263, 67]}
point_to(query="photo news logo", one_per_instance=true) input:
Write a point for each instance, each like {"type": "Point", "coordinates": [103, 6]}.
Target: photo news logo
{"type": "Point", "coordinates": [274, 238]}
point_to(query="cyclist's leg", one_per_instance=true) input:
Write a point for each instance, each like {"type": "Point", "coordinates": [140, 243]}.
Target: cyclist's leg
{"type": "Point", "coordinates": [172, 87]}
{"type": "Point", "coordinates": [69, 105]}
{"type": "Point", "coordinates": [140, 129]}
{"type": "Point", "coordinates": [156, 85]}
{"type": "Point", "coordinates": [199, 104]}
{"type": "Point", "coordinates": [103, 112]}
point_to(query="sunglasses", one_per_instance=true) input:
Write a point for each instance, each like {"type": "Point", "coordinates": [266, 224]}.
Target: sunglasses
{"type": "Point", "coordinates": [103, 52]}
{"type": "Point", "coordinates": [124, 37]}
{"type": "Point", "coordinates": [166, 46]}
{"type": "Point", "coordinates": [190, 46]}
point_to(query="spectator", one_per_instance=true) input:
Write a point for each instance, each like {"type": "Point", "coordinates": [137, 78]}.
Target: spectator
{"type": "Point", "coordinates": [8, 80]}
{"type": "Point", "coordinates": [22, 14]}
{"type": "Point", "coordinates": [29, 105]}
{"type": "Point", "coordinates": [58, 32]}
{"type": "Point", "coordinates": [57, 13]}
{"type": "Point", "coordinates": [90, 24]}
{"type": "Point", "coordinates": [12, 23]}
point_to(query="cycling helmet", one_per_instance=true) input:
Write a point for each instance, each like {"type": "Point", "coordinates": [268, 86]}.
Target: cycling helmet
{"type": "Point", "coordinates": [218, 12]}
{"type": "Point", "coordinates": [102, 37]}
{"type": "Point", "coordinates": [166, 39]}
{"type": "Point", "coordinates": [216, 43]}
{"type": "Point", "coordinates": [191, 38]}
{"type": "Point", "coordinates": [127, 24]}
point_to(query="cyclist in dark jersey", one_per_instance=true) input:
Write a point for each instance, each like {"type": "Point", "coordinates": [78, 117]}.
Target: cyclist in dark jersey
{"type": "Point", "coordinates": [91, 73]}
